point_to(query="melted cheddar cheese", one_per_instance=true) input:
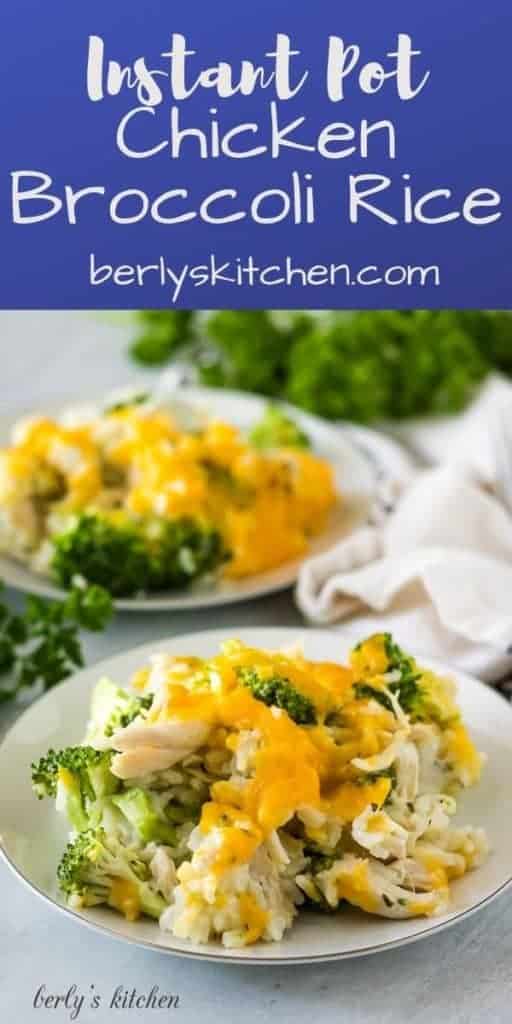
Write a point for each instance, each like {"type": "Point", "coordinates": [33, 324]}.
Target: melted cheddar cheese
{"type": "Point", "coordinates": [124, 897]}
{"type": "Point", "coordinates": [294, 767]}
{"type": "Point", "coordinates": [355, 888]}
{"type": "Point", "coordinates": [459, 749]}
{"type": "Point", "coordinates": [302, 774]}
{"type": "Point", "coordinates": [253, 917]}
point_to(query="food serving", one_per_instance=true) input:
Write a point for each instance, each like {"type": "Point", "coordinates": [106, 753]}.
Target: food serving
{"type": "Point", "coordinates": [221, 795]}
{"type": "Point", "coordinates": [131, 498]}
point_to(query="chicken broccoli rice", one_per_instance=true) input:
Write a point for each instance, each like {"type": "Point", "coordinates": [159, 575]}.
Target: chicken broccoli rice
{"type": "Point", "coordinates": [220, 796]}
{"type": "Point", "coordinates": [127, 498]}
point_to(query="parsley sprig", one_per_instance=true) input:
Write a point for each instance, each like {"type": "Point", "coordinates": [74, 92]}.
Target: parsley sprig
{"type": "Point", "coordinates": [41, 646]}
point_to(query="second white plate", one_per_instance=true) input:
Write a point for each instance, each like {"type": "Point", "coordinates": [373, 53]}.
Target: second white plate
{"type": "Point", "coordinates": [356, 476]}
{"type": "Point", "coordinates": [33, 835]}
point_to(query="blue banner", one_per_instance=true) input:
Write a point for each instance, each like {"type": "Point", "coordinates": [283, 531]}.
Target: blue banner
{"type": "Point", "coordinates": [282, 155]}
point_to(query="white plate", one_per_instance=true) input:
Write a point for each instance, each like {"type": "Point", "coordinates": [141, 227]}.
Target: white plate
{"type": "Point", "coordinates": [33, 835]}
{"type": "Point", "coordinates": [356, 475]}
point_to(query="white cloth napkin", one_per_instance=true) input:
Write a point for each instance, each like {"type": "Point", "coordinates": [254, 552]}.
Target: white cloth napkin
{"type": "Point", "coordinates": [437, 572]}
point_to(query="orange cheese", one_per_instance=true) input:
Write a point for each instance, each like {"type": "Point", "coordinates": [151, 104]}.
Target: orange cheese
{"type": "Point", "coordinates": [124, 897]}
{"type": "Point", "coordinates": [293, 767]}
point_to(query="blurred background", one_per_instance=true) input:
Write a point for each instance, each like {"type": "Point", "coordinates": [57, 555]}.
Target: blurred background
{"type": "Point", "coordinates": [362, 366]}
{"type": "Point", "coordinates": [365, 366]}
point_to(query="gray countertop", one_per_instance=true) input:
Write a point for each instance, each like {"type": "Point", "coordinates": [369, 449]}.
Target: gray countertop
{"type": "Point", "coordinates": [462, 975]}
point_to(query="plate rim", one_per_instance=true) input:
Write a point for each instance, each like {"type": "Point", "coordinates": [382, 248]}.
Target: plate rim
{"type": "Point", "coordinates": [188, 600]}
{"type": "Point", "coordinates": [243, 961]}
{"type": "Point", "coordinates": [228, 958]}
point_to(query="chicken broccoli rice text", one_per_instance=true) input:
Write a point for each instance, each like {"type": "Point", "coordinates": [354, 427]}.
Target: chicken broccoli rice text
{"type": "Point", "coordinates": [128, 499]}
{"type": "Point", "coordinates": [220, 796]}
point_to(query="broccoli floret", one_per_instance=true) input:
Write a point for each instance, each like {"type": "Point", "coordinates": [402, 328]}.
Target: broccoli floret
{"type": "Point", "coordinates": [156, 555]}
{"type": "Point", "coordinates": [371, 657]}
{"type": "Point", "coordinates": [408, 691]}
{"type": "Point", "coordinates": [378, 656]}
{"type": "Point", "coordinates": [77, 778]}
{"type": "Point", "coordinates": [94, 868]}
{"type": "Point", "coordinates": [91, 766]}
{"type": "Point", "coordinates": [363, 691]}
{"type": "Point", "coordinates": [397, 658]}
{"type": "Point", "coordinates": [410, 694]}
{"type": "Point", "coordinates": [276, 691]}
{"type": "Point", "coordinates": [181, 550]}
{"type": "Point", "coordinates": [131, 708]}
{"type": "Point", "coordinates": [113, 708]}
{"type": "Point", "coordinates": [421, 694]}
{"type": "Point", "coordinates": [149, 822]}
{"type": "Point", "coordinates": [277, 430]}
{"type": "Point", "coordinates": [432, 700]}
{"type": "Point", "coordinates": [113, 556]}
